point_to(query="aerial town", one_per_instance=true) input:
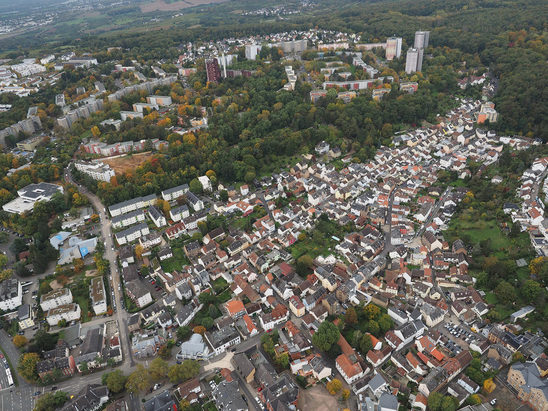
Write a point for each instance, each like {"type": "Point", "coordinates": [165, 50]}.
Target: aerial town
{"type": "Point", "coordinates": [362, 266]}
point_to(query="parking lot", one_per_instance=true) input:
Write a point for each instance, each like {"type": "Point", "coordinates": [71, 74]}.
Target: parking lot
{"type": "Point", "coordinates": [456, 338]}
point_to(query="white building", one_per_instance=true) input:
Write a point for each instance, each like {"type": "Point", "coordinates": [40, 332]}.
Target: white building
{"type": "Point", "coordinates": [221, 339]}
{"type": "Point", "coordinates": [157, 216]}
{"type": "Point", "coordinates": [413, 62]}
{"type": "Point", "coordinates": [55, 298]}
{"type": "Point", "coordinates": [11, 294]}
{"type": "Point", "coordinates": [205, 182]}
{"type": "Point", "coordinates": [127, 219]}
{"type": "Point", "coordinates": [97, 171]}
{"type": "Point", "coordinates": [175, 192]}
{"type": "Point", "coordinates": [31, 194]}
{"type": "Point", "coordinates": [132, 233]}
{"type": "Point", "coordinates": [251, 51]}
{"type": "Point", "coordinates": [98, 296]}
{"type": "Point", "coordinates": [69, 312]}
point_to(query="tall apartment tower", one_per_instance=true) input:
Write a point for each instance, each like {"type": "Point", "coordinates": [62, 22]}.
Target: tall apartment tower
{"type": "Point", "coordinates": [393, 48]}
{"type": "Point", "coordinates": [412, 60]}
{"type": "Point", "coordinates": [213, 70]}
{"type": "Point", "coordinates": [251, 51]}
{"type": "Point", "coordinates": [421, 39]}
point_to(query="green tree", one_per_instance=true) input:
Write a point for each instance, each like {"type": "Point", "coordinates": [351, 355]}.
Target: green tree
{"type": "Point", "coordinates": [195, 186]}
{"type": "Point", "coordinates": [115, 381]}
{"type": "Point", "coordinates": [183, 333]}
{"type": "Point", "coordinates": [157, 369]}
{"type": "Point", "coordinates": [530, 290]}
{"type": "Point", "coordinates": [139, 380]}
{"type": "Point", "coordinates": [506, 293]}
{"type": "Point", "coordinates": [365, 344]}
{"type": "Point", "coordinates": [304, 264]}
{"type": "Point", "coordinates": [327, 335]}
{"type": "Point", "coordinates": [51, 401]}
{"type": "Point", "coordinates": [179, 373]}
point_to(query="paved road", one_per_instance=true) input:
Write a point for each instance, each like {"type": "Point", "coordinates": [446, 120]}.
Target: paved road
{"type": "Point", "coordinates": [110, 255]}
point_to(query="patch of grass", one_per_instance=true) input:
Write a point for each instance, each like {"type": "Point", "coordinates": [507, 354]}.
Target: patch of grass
{"type": "Point", "coordinates": [83, 302]}
{"type": "Point", "coordinates": [175, 263]}
{"type": "Point", "coordinates": [491, 298]}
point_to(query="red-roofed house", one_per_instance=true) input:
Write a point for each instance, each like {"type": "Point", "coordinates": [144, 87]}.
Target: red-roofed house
{"type": "Point", "coordinates": [235, 308]}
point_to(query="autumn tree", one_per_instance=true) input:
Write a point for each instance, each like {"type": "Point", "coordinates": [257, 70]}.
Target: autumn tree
{"type": "Point", "coordinates": [345, 394]}
{"type": "Point", "coordinates": [27, 366]}
{"type": "Point", "coordinates": [334, 386]}
{"type": "Point", "coordinates": [19, 340]}
{"type": "Point", "coordinates": [199, 330]}
{"type": "Point", "coordinates": [350, 316]}
{"type": "Point", "coordinates": [371, 312]}
{"type": "Point", "coordinates": [78, 265]}
{"type": "Point", "coordinates": [95, 131]}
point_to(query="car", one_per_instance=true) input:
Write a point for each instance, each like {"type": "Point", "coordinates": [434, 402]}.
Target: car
{"type": "Point", "coordinates": [37, 393]}
{"type": "Point", "coordinates": [153, 282]}
{"type": "Point", "coordinates": [493, 401]}
{"type": "Point", "coordinates": [54, 388]}
{"type": "Point", "coordinates": [257, 400]}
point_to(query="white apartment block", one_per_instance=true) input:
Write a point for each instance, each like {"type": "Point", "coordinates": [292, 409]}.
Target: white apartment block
{"type": "Point", "coordinates": [11, 294]}
{"type": "Point", "coordinates": [69, 312]}
{"type": "Point", "coordinates": [97, 171]}
{"type": "Point", "coordinates": [132, 233]}
{"type": "Point", "coordinates": [55, 298]}
{"type": "Point", "coordinates": [125, 220]}
{"type": "Point", "coordinates": [98, 296]}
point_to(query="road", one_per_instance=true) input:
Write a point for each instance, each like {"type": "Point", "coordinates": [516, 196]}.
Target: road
{"type": "Point", "coordinates": [110, 255]}
{"type": "Point", "coordinates": [18, 397]}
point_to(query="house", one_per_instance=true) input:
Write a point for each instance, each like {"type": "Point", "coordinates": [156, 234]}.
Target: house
{"type": "Point", "coordinates": [160, 402]}
{"type": "Point", "coordinates": [157, 216]}
{"type": "Point", "coordinates": [244, 367]}
{"type": "Point", "coordinates": [138, 293]}
{"type": "Point", "coordinates": [91, 398]}
{"type": "Point", "coordinates": [531, 388]}
{"type": "Point", "coordinates": [296, 306]}
{"type": "Point", "coordinates": [227, 396]}
{"type": "Point", "coordinates": [235, 308]}
{"type": "Point", "coordinates": [174, 192]}
{"type": "Point", "coordinates": [190, 390]}
{"type": "Point", "coordinates": [221, 339]}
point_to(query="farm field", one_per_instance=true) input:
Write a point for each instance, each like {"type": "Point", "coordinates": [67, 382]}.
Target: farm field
{"type": "Point", "coordinates": [162, 5]}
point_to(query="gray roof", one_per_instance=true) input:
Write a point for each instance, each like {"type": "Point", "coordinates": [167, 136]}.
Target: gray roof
{"type": "Point", "coordinates": [160, 402]}
{"type": "Point", "coordinates": [182, 187]}
{"type": "Point", "coordinates": [228, 398]}
{"type": "Point", "coordinates": [388, 402]}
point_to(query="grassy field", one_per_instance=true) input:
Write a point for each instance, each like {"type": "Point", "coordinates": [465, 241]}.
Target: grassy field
{"type": "Point", "coordinates": [175, 263]}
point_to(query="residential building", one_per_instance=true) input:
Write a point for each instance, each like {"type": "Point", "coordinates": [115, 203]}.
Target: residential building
{"type": "Point", "coordinates": [91, 398]}
{"type": "Point", "coordinates": [251, 51]}
{"type": "Point", "coordinates": [421, 39]}
{"type": "Point", "coordinates": [11, 294]}
{"type": "Point", "coordinates": [68, 312]}
{"type": "Point", "coordinates": [97, 171]}
{"type": "Point", "coordinates": [98, 295]}
{"type": "Point", "coordinates": [221, 339]}
{"type": "Point", "coordinates": [213, 70]}
{"type": "Point", "coordinates": [531, 388]}
{"type": "Point", "coordinates": [413, 61]}
{"type": "Point", "coordinates": [175, 192]}
{"type": "Point", "coordinates": [137, 291]}
{"type": "Point", "coordinates": [157, 216]}
{"type": "Point", "coordinates": [25, 316]}
{"type": "Point", "coordinates": [160, 402]}
{"type": "Point", "coordinates": [55, 298]}
{"type": "Point", "coordinates": [393, 48]}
